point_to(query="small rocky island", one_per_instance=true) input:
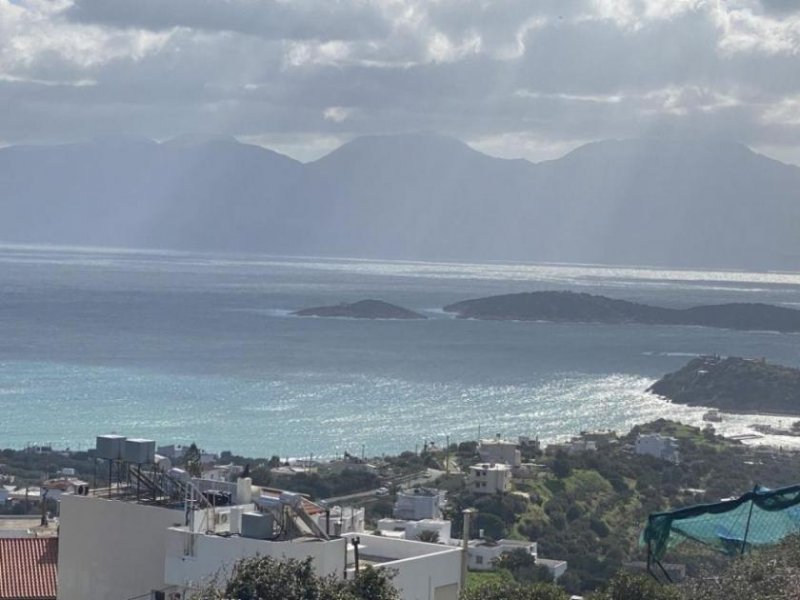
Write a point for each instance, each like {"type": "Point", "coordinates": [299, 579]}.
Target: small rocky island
{"type": "Point", "coordinates": [739, 385]}
{"type": "Point", "coordinates": [587, 308]}
{"type": "Point", "coordinates": [363, 309]}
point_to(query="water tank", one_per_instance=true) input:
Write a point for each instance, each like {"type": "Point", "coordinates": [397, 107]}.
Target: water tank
{"type": "Point", "coordinates": [162, 462]}
{"type": "Point", "coordinates": [244, 490]}
{"type": "Point", "coordinates": [257, 525]}
{"type": "Point", "coordinates": [235, 522]}
{"type": "Point", "coordinates": [139, 451]}
{"type": "Point", "coordinates": [292, 499]}
{"type": "Point", "coordinates": [179, 474]}
{"type": "Point", "coordinates": [110, 447]}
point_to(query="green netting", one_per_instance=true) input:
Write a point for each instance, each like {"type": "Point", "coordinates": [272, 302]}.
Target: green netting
{"type": "Point", "coordinates": [760, 517]}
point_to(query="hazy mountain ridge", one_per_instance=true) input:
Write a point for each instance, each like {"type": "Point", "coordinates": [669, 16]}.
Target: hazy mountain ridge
{"type": "Point", "coordinates": [419, 196]}
{"type": "Point", "coordinates": [573, 307]}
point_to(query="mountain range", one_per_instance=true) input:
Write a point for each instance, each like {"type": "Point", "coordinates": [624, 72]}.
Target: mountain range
{"type": "Point", "coordinates": [692, 203]}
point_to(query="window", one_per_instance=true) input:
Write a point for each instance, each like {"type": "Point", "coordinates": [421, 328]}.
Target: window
{"type": "Point", "coordinates": [478, 560]}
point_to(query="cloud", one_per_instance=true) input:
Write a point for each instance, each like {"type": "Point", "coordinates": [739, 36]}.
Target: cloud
{"type": "Point", "coordinates": [274, 19]}
{"type": "Point", "coordinates": [510, 75]}
{"type": "Point", "coordinates": [780, 7]}
{"type": "Point", "coordinates": [337, 114]}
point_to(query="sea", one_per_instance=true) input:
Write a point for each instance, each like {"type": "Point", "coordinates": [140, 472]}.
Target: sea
{"type": "Point", "coordinates": [190, 347]}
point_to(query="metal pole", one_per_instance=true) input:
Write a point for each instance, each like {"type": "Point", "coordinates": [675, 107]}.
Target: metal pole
{"type": "Point", "coordinates": [447, 455]}
{"type": "Point", "coordinates": [466, 528]}
{"type": "Point", "coordinates": [747, 527]}
{"type": "Point", "coordinates": [356, 541]}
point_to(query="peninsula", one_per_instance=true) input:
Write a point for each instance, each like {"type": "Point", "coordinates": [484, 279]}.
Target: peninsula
{"type": "Point", "coordinates": [734, 385]}
{"type": "Point", "coordinates": [588, 308]}
{"type": "Point", "coordinates": [363, 309]}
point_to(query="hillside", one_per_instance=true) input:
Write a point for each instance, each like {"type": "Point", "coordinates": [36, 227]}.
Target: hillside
{"type": "Point", "coordinates": [734, 385]}
{"type": "Point", "coordinates": [363, 309]}
{"type": "Point", "coordinates": [588, 308]}
{"type": "Point", "coordinates": [421, 196]}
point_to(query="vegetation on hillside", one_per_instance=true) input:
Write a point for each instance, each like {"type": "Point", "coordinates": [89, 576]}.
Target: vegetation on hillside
{"type": "Point", "coordinates": [264, 578]}
{"type": "Point", "coordinates": [733, 384]}
{"type": "Point", "coordinates": [589, 508]}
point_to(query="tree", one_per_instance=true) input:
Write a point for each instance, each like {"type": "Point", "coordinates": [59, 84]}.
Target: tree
{"type": "Point", "coordinates": [264, 578]}
{"type": "Point", "coordinates": [428, 535]}
{"type": "Point", "coordinates": [522, 566]}
{"type": "Point", "coordinates": [495, 590]}
{"type": "Point", "coordinates": [492, 525]}
{"type": "Point", "coordinates": [192, 460]}
{"type": "Point", "coordinates": [628, 586]}
{"type": "Point", "coordinates": [561, 466]}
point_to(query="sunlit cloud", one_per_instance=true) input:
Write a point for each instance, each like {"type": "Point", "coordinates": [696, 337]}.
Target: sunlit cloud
{"type": "Point", "coordinates": [525, 75]}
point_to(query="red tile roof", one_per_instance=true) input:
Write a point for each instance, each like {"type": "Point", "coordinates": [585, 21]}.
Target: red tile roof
{"type": "Point", "coordinates": [28, 568]}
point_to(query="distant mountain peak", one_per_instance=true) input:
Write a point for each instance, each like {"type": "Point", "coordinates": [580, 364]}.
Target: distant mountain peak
{"type": "Point", "coordinates": [405, 146]}
{"type": "Point", "coordinates": [199, 139]}
{"type": "Point", "coordinates": [122, 140]}
{"type": "Point", "coordinates": [704, 203]}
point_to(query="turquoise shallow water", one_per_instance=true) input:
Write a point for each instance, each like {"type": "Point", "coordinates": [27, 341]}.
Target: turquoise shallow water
{"type": "Point", "coordinates": [183, 347]}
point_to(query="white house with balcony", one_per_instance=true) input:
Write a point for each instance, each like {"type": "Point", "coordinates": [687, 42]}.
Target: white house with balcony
{"type": "Point", "coordinates": [489, 478]}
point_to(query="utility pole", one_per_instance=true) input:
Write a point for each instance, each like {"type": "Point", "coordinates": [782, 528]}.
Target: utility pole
{"type": "Point", "coordinates": [447, 455]}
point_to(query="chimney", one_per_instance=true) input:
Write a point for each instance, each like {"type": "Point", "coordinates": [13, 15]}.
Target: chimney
{"type": "Point", "coordinates": [468, 513]}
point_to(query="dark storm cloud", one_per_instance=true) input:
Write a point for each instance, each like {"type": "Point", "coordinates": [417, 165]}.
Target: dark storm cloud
{"type": "Point", "coordinates": [302, 19]}
{"type": "Point", "coordinates": [781, 7]}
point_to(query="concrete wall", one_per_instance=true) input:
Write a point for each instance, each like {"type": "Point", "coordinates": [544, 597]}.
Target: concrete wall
{"type": "Point", "coordinates": [110, 549]}
{"type": "Point", "coordinates": [194, 559]}
{"type": "Point", "coordinates": [423, 571]}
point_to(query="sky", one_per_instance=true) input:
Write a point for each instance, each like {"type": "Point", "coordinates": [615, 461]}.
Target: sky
{"type": "Point", "coordinates": [514, 78]}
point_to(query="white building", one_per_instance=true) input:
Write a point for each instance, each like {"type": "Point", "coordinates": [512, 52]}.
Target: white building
{"type": "Point", "coordinates": [26, 495]}
{"type": "Point", "coordinates": [223, 472]}
{"type": "Point", "coordinates": [419, 503]}
{"type": "Point", "coordinates": [489, 478]}
{"type": "Point", "coordinates": [349, 463]}
{"type": "Point", "coordinates": [556, 567]}
{"type": "Point", "coordinates": [52, 489]}
{"type": "Point", "coordinates": [111, 548]}
{"type": "Point", "coordinates": [482, 554]}
{"type": "Point", "coordinates": [121, 548]}
{"type": "Point", "coordinates": [500, 451]}
{"type": "Point", "coordinates": [421, 571]}
{"type": "Point", "coordinates": [579, 446]}
{"type": "Point", "coordinates": [411, 530]}
{"type": "Point", "coordinates": [659, 446]}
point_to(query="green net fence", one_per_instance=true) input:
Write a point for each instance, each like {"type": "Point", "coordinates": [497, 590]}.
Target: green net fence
{"type": "Point", "coordinates": [760, 517]}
